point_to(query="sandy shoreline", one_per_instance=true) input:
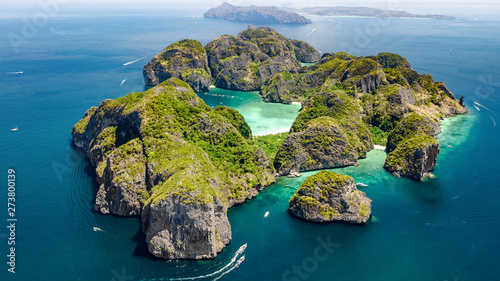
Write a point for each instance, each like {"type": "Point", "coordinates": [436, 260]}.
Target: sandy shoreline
{"type": "Point", "coordinates": [284, 130]}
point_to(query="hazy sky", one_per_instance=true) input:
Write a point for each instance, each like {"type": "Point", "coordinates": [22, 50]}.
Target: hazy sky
{"type": "Point", "coordinates": [452, 7]}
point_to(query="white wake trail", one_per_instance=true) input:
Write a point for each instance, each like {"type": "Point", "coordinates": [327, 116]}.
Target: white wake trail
{"type": "Point", "coordinates": [131, 62]}
{"type": "Point", "coordinates": [232, 268]}
{"type": "Point", "coordinates": [233, 260]}
{"type": "Point", "coordinates": [484, 107]}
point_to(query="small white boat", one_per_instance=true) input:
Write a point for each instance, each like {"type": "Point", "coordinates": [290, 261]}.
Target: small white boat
{"type": "Point", "coordinates": [361, 184]}
{"type": "Point", "coordinates": [266, 214]}
{"type": "Point", "coordinates": [97, 229]}
{"type": "Point", "coordinates": [14, 129]}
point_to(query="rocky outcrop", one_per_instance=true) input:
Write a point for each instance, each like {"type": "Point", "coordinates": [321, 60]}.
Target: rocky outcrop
{"type": "Point", "coordinates": [327, 133]}
{"type": "Point", "coordinates": [413, 158]}
{"type": "Point", "coordinates": [122, 181]}
{"type": "Point", "coordinates": [327, 197]}
{"type": "Point", "coordinates": [361, 74]}
{"type": "Point", "coordinates": [204, 231]}
{"type": "Point", "coordinates": [186, 60]}
{"type": "Point", "coordinates": [255, 14]}
{"type": "Point", "coordinates": [412, 148]}
{"type": "Point", "coordinates": [244, 62]}
{"type": "Point", "coordinates": [324, 144]}
{"type": "Point", "coordinates": [305, 52]}
{"type": "Point", "coordinates": [166, 156]}
{"type": "Point", "coordinates": [411, 126]}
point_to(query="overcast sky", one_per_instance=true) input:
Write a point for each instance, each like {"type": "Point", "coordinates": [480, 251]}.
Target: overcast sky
{"type": "Point", "coordinates": [451, 7]}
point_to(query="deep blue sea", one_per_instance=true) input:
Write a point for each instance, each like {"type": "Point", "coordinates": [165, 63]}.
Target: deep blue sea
{"type": "Point", "coordinates": [447, 228]}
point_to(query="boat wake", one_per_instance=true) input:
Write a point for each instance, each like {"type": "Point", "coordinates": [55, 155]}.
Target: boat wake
{"type": "Point", "coordinates": [15, 72]}
{"type": "Point", "coordinates": [476, 103]}
{"type": "Point", "coordinates": [240, 260]}
{"type": "Point", "coordinates": [234, 263]}
{"type": "Point", "coordinates": [123, 81]}
{"type": "Point", "coordinates": [493, 120]}
{"type": "Point", "coordinates": [134, 61]}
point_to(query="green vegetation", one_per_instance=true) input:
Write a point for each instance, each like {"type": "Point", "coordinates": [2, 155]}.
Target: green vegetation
{"type": "Point", "coordinates": [361, 67]}
{"type": "Point", "coordinates": [201, 153]}
{"type": "Point", "coordinates": [186, 45]}
{"type": "Point", "coordinates": [81, 126]}
{"type": "Point", "coordinates": [411, 126]}
{"type": "Point", "coordinates": [270, 144]}
{"type": "Point", "coordinates": [404, 157]}
{"type": "Point", "coordinates": [236, 119]}
{"type": "Point", "coordinates": [326, 181]}
{"type": "Point", "coordinates": [333, 103]}
{"type": "Point", "coordinates": [379, 137]}
{"type": "Point", "coordinates": [392, 61]}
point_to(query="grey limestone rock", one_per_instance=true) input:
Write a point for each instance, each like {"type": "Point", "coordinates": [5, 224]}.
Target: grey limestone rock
{"type": "Point", "coordinates": [327, 197]}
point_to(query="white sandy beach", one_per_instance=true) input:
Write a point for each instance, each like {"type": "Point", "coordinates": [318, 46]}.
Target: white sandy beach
{"type": "Point", "coordinates": [283, 130]}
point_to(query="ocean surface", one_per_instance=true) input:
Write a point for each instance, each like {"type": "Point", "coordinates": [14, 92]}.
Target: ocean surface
{"type": "Point", "coordinates": [446, 228]}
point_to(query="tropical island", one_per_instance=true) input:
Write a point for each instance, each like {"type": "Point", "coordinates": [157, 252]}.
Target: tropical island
{"type": "Point", "coordinates": [285, 15]}
{"type": "Point", "coordinates": [165, 156]}
{"type": "Point", "coordinates": [255, 14]}
{"type": "Point", "coordinates": [343, 11]}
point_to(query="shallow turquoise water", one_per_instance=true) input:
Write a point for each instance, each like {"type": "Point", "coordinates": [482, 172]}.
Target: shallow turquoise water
{"type": "Point", "coordinates": [443, 229]}
{"type": "Point", "coordinates": [263, 118]}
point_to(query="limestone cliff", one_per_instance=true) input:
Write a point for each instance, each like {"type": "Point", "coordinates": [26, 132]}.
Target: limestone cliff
{"type": "Point", "coordinates": [412, 148]}
{"type": "Point", "coordinates": [327, 133]}
{"type": "Point", "coordinates": [186, 60]}
{"type": "Point", "coordinates": [328, 196]}
{"type": "Point", "coordinates": [413, 158]}
{"type": "Point", "coordinates": [166, 156]}
{"type": "Point", "coordinates": [244, 62]}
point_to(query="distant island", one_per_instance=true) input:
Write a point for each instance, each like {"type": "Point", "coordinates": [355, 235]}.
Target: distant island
{"type": "Point", "coordinates": [167, 157]}
{"type": "Point", "coordinates": [341, 11]}
{"type": "Point", "coordinates": [255, 14]}
{"type": "Point", "coordinates": [273, 15]}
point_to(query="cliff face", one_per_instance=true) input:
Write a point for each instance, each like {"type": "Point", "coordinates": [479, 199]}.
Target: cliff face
{"type": "Point", "coordinates": [186, 60]}
{"type": "Point", "coordinates": [167, 157]}
{"type": "Point", "coordinates": [412, 148]}
{"type": "Point", "coordinates": [244, 62]}
{"type": "Point", "coordinates": [411, 126]}
{"type": "Point", "coordinates": [327, 133]}
{"type": "Point", "coordinates": [413, 158]}
{"type": "Point", "coordinates": [255, 14]}
{"type": "Point", "coordinates": [323, 144]}
{"type": "Point", "coordinates": [305, 52]}
{"type": "Point", "coordinates": [327, 197]}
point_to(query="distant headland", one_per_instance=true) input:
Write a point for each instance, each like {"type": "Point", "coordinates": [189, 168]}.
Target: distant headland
{"type": "Point", "coordinates": [341, 11]}
{"type": "Point", "coordinates": [255, 14]}
{"type": "Point", "coordinates": [273, 15]}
